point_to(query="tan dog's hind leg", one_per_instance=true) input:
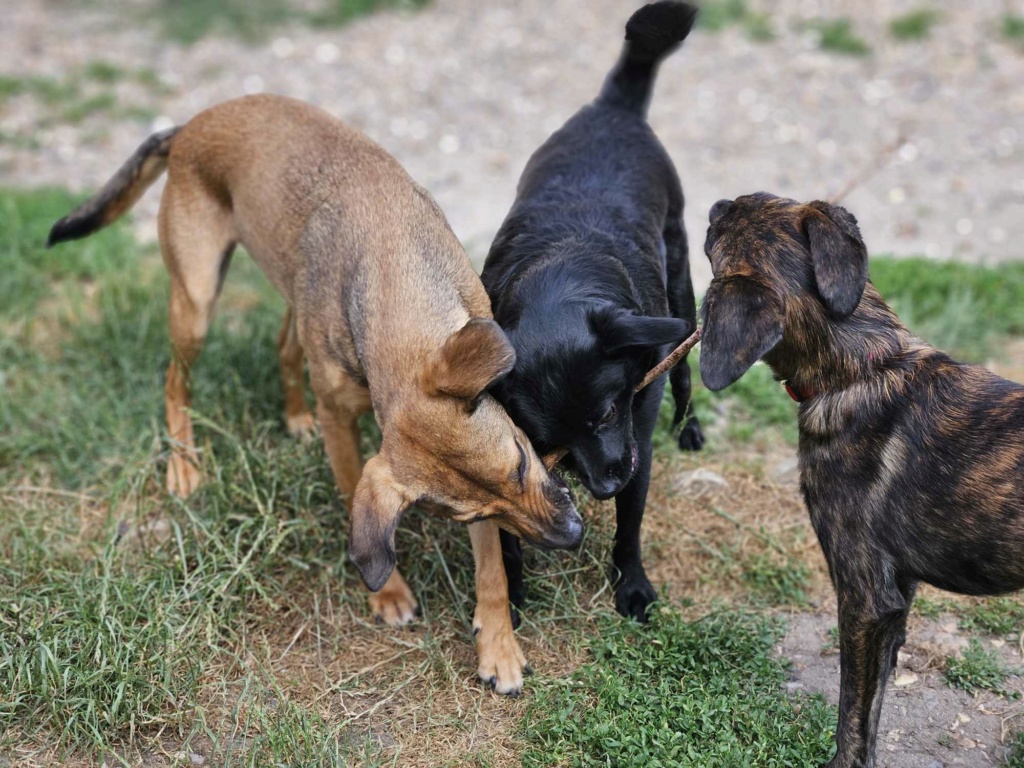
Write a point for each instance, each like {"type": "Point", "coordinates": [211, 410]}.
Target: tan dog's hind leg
{"type": "Point", "coordinates": [501, 662]}
{"type": "Point", "coordinates": [299, 420]}
{"type": "Point", "coordinates": [196, 242]}
{"type": "Point", "coordinates": [395, 603]}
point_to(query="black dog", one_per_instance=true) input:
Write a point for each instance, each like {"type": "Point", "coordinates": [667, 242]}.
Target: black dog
{"type": "Point", "coordinates": [911, 464]}
{"type": "Point", "coordinates": [589, 276]}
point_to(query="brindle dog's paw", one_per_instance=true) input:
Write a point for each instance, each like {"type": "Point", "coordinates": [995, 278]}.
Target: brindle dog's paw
{"type": "Point", "coordinates": [502, 664]}
{"type": "Point", "coordinates": [691, 437]}
{"type": "Point", "coordinates": [394, 605]}
{"type": "Point", "coordinates": [633, 596]}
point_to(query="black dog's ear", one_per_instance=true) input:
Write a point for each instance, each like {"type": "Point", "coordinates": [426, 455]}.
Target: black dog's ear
{"type": "Point", "coordinates": [374, 511]}
{"type": "Point", "coordinates": [619, 330]}
{"type": "Point", "coordinates": [742, 322]}
{"type": "Point", "coordinates": [839, 256]}
{"type": "Point", "coordinates": [470, 361]}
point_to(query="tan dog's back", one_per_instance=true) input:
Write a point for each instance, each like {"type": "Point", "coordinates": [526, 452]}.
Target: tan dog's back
{"type": "Point", "coordinates": [329, 214]}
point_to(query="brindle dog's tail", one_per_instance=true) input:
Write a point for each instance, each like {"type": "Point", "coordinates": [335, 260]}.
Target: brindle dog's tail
{"type": "Point", "coordinates": [120, 193]}
{"type": "Point", "coordinates": [652, 33]}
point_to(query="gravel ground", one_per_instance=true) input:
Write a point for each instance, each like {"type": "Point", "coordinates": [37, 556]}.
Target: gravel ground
{"type": "Point", "coordinates": [464, 91]}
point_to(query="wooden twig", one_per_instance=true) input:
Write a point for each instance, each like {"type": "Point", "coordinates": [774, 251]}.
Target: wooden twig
{"type": "Point", "coordinates": [871, 171]}
{"type": "Point", "coordinates": [669, 362]}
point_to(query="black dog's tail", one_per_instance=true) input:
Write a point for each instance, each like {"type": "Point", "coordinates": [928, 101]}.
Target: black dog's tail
{"type": "Point", "coordinates": [120, 193]}
{"type": "Point", "coordinates": [652, 33]}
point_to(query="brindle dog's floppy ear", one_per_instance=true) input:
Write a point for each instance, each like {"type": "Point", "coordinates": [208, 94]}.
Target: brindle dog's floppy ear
{"type": "Point", "coordinates": [620, 330]}
{"type": "Point", "coordinates": [374, 511]}
{"type": "Point", "coordinates": [743, 320]}
{"type": "Point", "coordinates": [470, 361]}
{"type": "Point", "coordinates": [839, 255]}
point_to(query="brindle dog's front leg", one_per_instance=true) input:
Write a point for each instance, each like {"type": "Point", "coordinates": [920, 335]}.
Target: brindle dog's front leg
{"type": "Point", "coordinates": [501, 662]}
{"type": "Point", "coordinates": [872, 628]}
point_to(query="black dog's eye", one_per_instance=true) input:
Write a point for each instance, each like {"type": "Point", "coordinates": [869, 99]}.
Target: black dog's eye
{"type": "Point", "coordinates": [609, 415]}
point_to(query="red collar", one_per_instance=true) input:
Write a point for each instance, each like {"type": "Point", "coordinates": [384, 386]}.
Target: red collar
{"type": "Point", "coordinates": [798, 395]}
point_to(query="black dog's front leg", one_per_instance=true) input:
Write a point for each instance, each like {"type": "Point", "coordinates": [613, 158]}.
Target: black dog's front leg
{"type": "Point", "coordinates": [633, 591]}
{"type": "Point", "coordinates": [512, 555]}
{"type": "Point", "coordinates": [682, 305]}
{"type": "Point", "coordinates": [871, 633]}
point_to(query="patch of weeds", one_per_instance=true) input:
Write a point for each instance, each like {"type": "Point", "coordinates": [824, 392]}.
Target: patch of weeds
{"type": "Point", "coordinates": [831, 644]}
{"type": "Point", "coordinates": [1016, 758]}
{"type": "Point", "coordinates": [338, 12]}
{"type": "Point", "coordinates": [759, 27]}
{"type": "Point", "coordinates": [46, 89]}
{"type": "Point", "coordinates": [964, 309]}
{"type": "Point", "coordinates": [104, 72]}
{"type": "Point", "coordinates": [838, 36]}
{"type": "Point", "coordinates": [995, 616]}
{"type": "Point", "coordinates": [915, 25]}
{"type": "Point", "coordinates": [191, 20]}
{"type": "Point", "coordinates": [777, 580]}
{"type": "Point", "coordinates": [977, 669]}
{"type": "Point", "coordinates": [930, 608]}
{"type": "Point", "coordinates": [716, 15]}
{"type": "Point", "coordinates": [1013, 29]}
{"type": "Point", "coordinates": [709, 692]}
{"type": "Point", "coordinates": [78, 111]}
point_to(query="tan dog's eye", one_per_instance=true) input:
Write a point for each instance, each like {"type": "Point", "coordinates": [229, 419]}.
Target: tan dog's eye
{"type": "Point", "coordinates": [522, 465]}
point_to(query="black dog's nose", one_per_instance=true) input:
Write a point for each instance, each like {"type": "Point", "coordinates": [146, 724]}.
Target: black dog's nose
{"type": "Point", "coordinates": [719, 209]}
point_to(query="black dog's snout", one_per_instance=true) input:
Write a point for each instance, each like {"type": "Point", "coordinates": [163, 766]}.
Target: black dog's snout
{"type": "Point", "coordinates": [719, 209]}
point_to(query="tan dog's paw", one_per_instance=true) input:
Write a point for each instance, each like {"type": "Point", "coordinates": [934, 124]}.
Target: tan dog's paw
{"type": "Point", "coordinates": [395, 604]}
{"type": "Point", "coordinates": [502, 663]}
{"type": "Point", "coordinates": [183, 477]}
{"type": "Point", "coordinates": [302, 426]}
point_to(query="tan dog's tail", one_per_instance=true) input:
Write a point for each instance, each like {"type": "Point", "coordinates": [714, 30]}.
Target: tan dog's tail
{"type": "Point", "coordinates": [120, 193]}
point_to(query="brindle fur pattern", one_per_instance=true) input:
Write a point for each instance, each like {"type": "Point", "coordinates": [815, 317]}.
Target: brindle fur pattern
{"type": "Point", "coordinates": [384, 306]}
{"type": "Point", "coordinates": [911, 464]}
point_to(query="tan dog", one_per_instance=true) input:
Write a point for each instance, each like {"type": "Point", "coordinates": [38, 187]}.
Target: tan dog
{"type": "Point", "coordinates": [386, 308]}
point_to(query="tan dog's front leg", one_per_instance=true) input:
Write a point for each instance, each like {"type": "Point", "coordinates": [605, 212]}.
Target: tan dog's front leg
{"type": "Point", "coordinates": [501, 662]}
{"type": "Point", "coordinates": [395, 603]}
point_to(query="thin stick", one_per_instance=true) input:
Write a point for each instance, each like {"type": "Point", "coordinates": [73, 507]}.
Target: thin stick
{"type": "Point", "coordinates": [671, 361]}
{"type": "Point", "coordinates": [876, 166]}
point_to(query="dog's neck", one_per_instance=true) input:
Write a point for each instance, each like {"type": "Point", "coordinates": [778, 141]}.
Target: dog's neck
{"type": "Point", "coordinates": [819, 354]}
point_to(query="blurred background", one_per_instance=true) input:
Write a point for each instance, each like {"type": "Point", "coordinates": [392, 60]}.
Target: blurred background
{"type": "Point", "coordinates": [914, 108]}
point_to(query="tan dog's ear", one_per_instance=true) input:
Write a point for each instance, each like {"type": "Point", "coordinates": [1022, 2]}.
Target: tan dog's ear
{"type": "Point", "coordinates": [374, 511]}
{"type": "Point", "coordinates": [839, 255]}
{"type": "Point", "coordinates": [743, 321]}
{"type": "Point", "coordinates": [470, 361]}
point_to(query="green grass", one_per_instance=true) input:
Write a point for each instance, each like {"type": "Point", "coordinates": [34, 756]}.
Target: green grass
{"type": "Point", "coordinates": [252, 20]}
{"type": "Point", "coordinates": [977, 669]}
{"type": "Point", "coordinates": [995, 616]}
{"type": "Point", "coordinates": [1013, 29]}
{"type": "Point", "coordinates": [777, 580]}
{"type": "Point", "coordinates": [1016, 758]}
{"type": "Point", "coordinates": [677, 693]}
{"type": "Point", "coordinates": [838, 36]}
{"type": "Point", "coordinates": [915, 25]}
{"type": "Point", "coordinates": [716, 15]}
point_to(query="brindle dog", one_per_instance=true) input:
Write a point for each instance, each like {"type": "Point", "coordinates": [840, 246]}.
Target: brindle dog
{"type": "Point", "coordinates": [911, 464]}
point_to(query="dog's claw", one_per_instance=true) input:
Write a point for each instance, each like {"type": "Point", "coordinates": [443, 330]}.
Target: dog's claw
{"type": "Point", "coordinates": [691, 437]}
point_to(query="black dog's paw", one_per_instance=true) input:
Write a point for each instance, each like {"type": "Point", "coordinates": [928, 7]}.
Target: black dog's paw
{"type": "Point", "coordinates": [633, 596]}
{"type": "Point", "coordinates": [691, 437]}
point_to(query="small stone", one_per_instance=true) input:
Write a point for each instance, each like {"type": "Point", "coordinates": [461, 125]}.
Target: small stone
{"type": "Point", "coordinates": [905, 678]}
{"type": "Point", "coordinates": [963, 718]}
{"type": "Point", "coordinates": [196, 759]}
{"type": "Point", "coordinates": [700, 482]}
{"type": "Point", "coordinates": [966, 743]}
{"type": "Point", "coordinates": [998, 643]}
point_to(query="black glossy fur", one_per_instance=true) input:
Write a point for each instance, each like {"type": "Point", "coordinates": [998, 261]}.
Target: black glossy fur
{"type": "Point", "coordinates": [911, 464]}
{"type": "Point", "coordinates": [589, 276]}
